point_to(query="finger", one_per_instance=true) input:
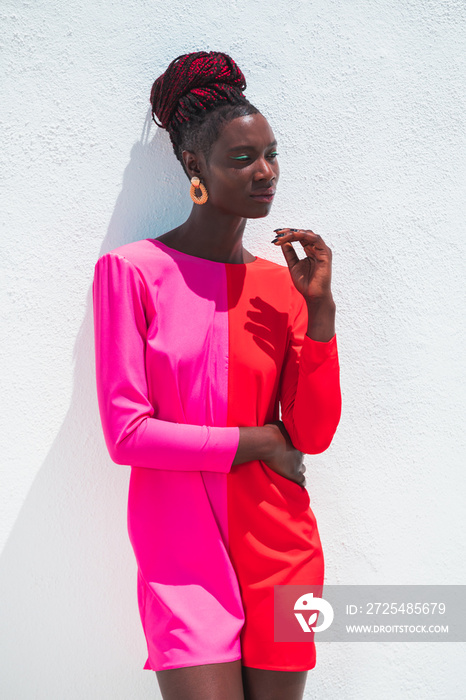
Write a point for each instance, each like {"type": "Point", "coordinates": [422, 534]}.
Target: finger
{"type": "Point", "coordinates": [293, 259]}
{"type": "Point", "coordinates": [306, 237]}
{"type": "Point", "coordinates": [312, 244]}
{"type": "Point", "coordinates": [290, 254]}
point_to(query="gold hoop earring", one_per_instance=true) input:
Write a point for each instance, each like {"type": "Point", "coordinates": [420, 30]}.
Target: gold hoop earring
{"type": "Point", "coordinates": [196, 184]}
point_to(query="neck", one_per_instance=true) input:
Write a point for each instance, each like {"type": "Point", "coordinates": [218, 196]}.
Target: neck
{"type": "Point", "coordinates": [212, 234]}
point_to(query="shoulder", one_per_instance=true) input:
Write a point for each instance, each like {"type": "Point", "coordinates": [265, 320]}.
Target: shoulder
{"type": "Point", "coordinates": [268, 264]}
{"type": "Point", "coordinates": [136, 252]}
{"type": "Point", "coordinates": [140, 258]}
{"type": "Point", "coordinates": [275, 285]}
{"type": "Point", "coordinates": [279, 274]}
{"type": "Point", "coordinates": [275, 272]}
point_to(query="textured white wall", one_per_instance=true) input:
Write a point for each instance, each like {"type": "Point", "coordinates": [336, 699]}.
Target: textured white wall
{"type": "Point", "coordinates": [367, 100]}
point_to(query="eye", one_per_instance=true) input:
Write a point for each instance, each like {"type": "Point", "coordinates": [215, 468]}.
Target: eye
{"type": "Point", "coordinates": [272, 155]}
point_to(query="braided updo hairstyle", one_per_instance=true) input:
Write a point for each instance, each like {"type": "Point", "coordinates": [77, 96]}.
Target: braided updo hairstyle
{"type": "Point", "coordinates": [196, 96]}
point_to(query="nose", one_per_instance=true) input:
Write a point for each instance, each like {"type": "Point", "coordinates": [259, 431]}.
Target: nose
{"type": "Point", "coordinates": [265, 170]}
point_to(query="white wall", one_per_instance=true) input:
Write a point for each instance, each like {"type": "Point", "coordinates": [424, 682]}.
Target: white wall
{"type": "Point", "coordinates": [367, 102]}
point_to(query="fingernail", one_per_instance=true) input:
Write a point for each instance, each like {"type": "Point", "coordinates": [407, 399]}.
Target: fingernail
{"type": "Point", "coordinates": [277, 229]}
{"type": "Point", "coordinates": [274, 240]}
{"type": "Point", "coordinates": [293, 229]}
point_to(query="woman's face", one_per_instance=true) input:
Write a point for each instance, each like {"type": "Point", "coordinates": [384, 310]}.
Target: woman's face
{"type": "Point", "coordinates": [243, 166]}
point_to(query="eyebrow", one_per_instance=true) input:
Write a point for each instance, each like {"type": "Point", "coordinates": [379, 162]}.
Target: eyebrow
{"type": "Point", "coordinates": [241, 148]}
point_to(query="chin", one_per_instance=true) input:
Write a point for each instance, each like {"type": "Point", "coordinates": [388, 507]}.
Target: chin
{"type": "Point", "coordinates": [254, 212]}
{"type": "Point", "coordinates": [259, 216]}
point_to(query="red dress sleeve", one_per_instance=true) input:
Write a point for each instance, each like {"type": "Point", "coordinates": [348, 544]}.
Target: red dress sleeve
{"type": "Point", "coordinates": [132, 434]}
{"type": "Point", "coordinates": [309, 391]}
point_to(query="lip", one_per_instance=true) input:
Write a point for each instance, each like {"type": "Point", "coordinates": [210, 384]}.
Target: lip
{"type": "Point", "coordinates": [264, 195]}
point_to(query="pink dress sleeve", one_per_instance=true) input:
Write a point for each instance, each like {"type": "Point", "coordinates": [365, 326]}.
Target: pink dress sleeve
{"type": "Point", "coordinates": [132, 434]}
{"type": "Point", "coordinates": [310, 394]}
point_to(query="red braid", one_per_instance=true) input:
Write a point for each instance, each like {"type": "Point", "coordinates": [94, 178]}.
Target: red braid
{"type": "Point", "coordinates": [194, 82]}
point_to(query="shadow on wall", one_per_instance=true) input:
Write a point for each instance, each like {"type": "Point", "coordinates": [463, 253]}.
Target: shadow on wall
{"type": "Point", "coordinates": [67, 574]}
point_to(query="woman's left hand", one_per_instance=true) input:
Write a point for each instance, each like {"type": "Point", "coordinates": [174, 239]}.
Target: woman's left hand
{"type": "Point", "coordinates": [312, 275]}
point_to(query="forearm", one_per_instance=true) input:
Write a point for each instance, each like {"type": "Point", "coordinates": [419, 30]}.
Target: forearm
{"type": "Point", "coordinates": [310, 393]}
{"type": "Point", "coordinates": [313, 417]}
{"type": "Point", "coordinates": [159, 444]}
{"type": "Point", "coordinates": [256, 443]}
{"type": "Point", "coordinates": [321, 319]}
{"type": "Point", "coordinates": [162, 445]}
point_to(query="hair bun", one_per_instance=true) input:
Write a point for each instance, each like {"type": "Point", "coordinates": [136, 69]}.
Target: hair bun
{"type": "Point", "coordinates": [194, 82]}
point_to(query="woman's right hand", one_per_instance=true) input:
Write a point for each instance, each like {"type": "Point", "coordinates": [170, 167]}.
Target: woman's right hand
{"type": "Point", "coordinates": [285, 459]}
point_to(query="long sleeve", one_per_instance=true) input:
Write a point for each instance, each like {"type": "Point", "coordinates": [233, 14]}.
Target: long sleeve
{"type": "Point", "coordinates": [132, 434]}
{"type": "Point", "coordinates": [310, 394]}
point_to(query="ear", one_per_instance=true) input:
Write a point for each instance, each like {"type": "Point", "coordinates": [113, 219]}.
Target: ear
{"type": "Point", "coordinates": [194, 164]}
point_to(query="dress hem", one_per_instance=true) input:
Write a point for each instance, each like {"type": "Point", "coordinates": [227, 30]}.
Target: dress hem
{"type": "Point", "coordinates": [263, 667]}
{"type": "Point", "coordinates": [203, 663]}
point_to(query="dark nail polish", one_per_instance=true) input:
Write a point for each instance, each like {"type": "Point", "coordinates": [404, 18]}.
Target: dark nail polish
{"type": "Point", "coordinates": [277, 229]}
{"type": "Point", "coordinates": [293, 229]}
{"type": "Point", "coordinates": [275, 240]}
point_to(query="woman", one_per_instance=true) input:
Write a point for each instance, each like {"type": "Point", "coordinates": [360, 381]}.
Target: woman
{"type": "Point", "coordinates": [198, 342]}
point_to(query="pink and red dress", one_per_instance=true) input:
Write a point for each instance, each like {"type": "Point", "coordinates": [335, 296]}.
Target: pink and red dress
{"type": "Point", "coordinates": [187, 351]}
